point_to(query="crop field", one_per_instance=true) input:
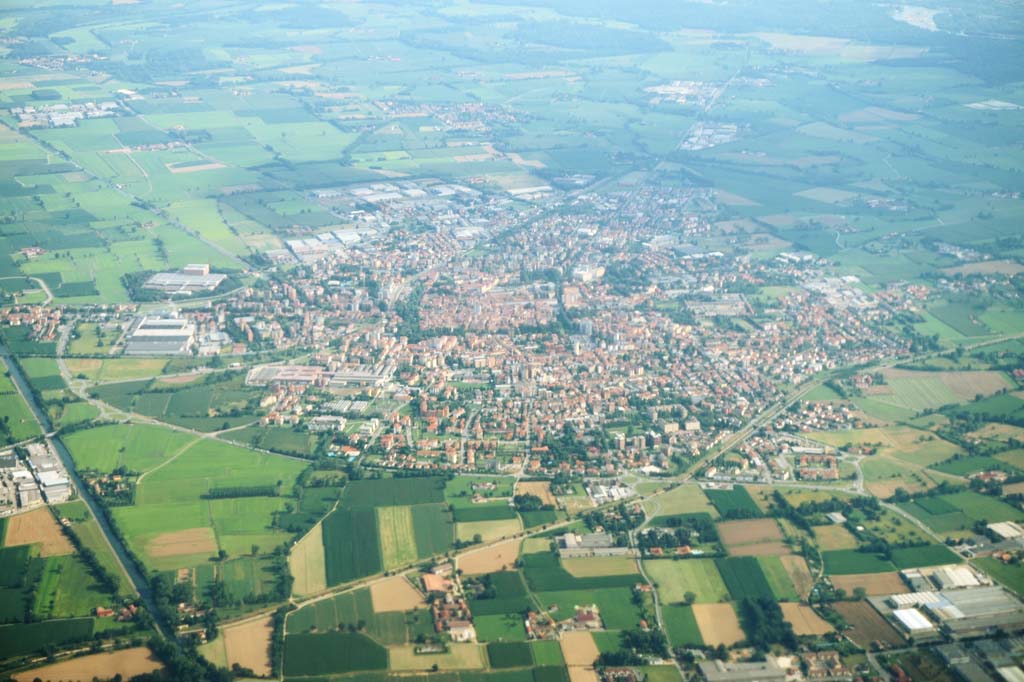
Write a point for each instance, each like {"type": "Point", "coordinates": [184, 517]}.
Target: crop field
{"type": "Point", "coordinates": [495, 511]}
{"type": "Point", "coordinates": [34, 637]}
{"type": "Point", "coordinates": [685, 499]}
{"type": "Point", "coordinates": [397, 537]}
{"type": "Point", "coordinates": [433, 528]}
{"type": "Point", "coordinates": [1009, 575]}
{"type": "Point", "coordinates": [307, 563]}
{"type": "Point", "coordinates": [867, 625]}
{"type": "Point", "coordinates": [916, 391]}
{"type": "Point", "coordinates": [116, 369]}
{"type": "Point", "coordinates": [496, 557]}
{"type": "Point", "coordinates": [350, 609]}
{"type": "Point", "coordinates": [965, 466]}
{"type": "Point", "coordinates": [125, 662]}
{"type": "Point", "coordinates": [489, 531]}
{"type": "Point", "coordinates": [799, 574]}
{"type": "Point", "coordinates": [37, 527]}
{"type": "Point", "coordinates": [834, 536]}
{"type": "Point", "coordinates": [393, 492]}
{"type": "Point", "coordinates": [543, 572]}
{"type": "Point", "coordinates": [681, 625]}
{"type": "Point", "coordinates": [17, 419]}
{"type": "Point", "coordinates": [929, 555]}
{"type": "Point", "coordinates": [578, 649]}
{"type": "Point", "coordinates": [330, 653]}
{"type": "Point", "coordinates": [459, 657]}
{"type": "Point", "coordinates": [718, 624]}
{"type": "Point", "coordinates": [752, 537]}
{"type": "Point", "coordinates": [541, 489]}
{"type": "Point", "coordinates": [874, 584]}
{"type": "Point", "coordinates": [744, 578]}
{"type": "Point", "coordinates": [509, 655]}
{"type": "Point", "coordinates": [351, 545]}
{"type": "Point", "coordinates": [804, 620]}
{"type": "Point", "coordinates": [778, 579]}
{"type": "Point", "coordinates": [675, 578]}
{"type": "Point", "coordinates": [959, 511]}
{"type": "Point", "coordinates": [204, 406]}
{"type": "Point", "coordinates": [589, 567]}
{"type": "Point", "coordinates": [904, 443]}
{"type": "Point", "coordinates": [395, 594]}
{"type": "Point", "coordinates": [67, 589]}
{"type": "Point", "coordinates": [850, 561]}
{"type": "Point", "coordinates": [737, 499]}
{"type": "Point", "coordinates": [136, 447]}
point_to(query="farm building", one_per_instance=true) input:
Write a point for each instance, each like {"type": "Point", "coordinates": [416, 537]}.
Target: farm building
{"type": "Point", "coordinates": [722, 671]}
{"type": "Point", "coordinates": [1007, 530]}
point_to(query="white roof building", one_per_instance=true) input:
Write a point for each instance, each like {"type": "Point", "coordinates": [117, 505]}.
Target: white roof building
{"type": "Point", "coordinates": [913, 621]}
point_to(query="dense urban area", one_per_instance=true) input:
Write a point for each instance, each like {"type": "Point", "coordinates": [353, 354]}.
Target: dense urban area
{"type": "Point", "coordinates": [511, 341]}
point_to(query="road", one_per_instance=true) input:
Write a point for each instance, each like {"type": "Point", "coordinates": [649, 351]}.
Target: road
{"type": "Point", "coordinates": [136, 578]}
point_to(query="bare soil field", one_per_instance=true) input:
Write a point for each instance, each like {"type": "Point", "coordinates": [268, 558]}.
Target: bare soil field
{"type": "Point", "coordinates": [127, 662]}
{"type": "Point", "coordinates": [775, 548]}
{"type": "Point", "coordinates": [489, 559]}
{"type": "Point", "coordinates": [395, 594]}
{"type": "Point", "coordinates": [248, 645]}
{"type": "Point", "coordinates": [798, 572]}
{"type": "Point", "coordinates": [748, 530]}
{"type": "Point", "coordinates": [38, 526]}
{"type": "Point", "coordinates": [191, 541]}
{"type": "Point", "coordinates": [307, 563]}
{"type": "Point", "coordinates": [834, 536]}
{"type": "Point", "coordinates": [868, 626]}
{"type": "Point", "coordinates": [214, 165]}
{"type": "Point", "coordinates": [718, 624]}
{"type": "Point", "coordinates": [874, 584]}
{"type": "Point", "coordinates": [541, 489]}
{"type": "Point", "coordinates": [804, 620]}
{"type": "Point", "coordinates": [579, 649]}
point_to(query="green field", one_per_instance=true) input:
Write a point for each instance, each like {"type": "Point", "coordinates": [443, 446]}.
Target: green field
{"type": "Point", "coordinates": [930, 555]}
{"type": "Point", "coordinates": [778, 579]}
{"type": "Point", "coordinates": [681, 625]}
{"type": "Point", "coordinates": [135, 447]}
{"type": "Point", "coordinates": [351, 545]}
{"type": "Point", "coordinates": [332, 652]}
{"type": "Point", "coordinates": [737, 500]}
{"type": "Point", "coordinates": [959, 511]}
{"type": "Point", "coordinates": [675, 578]}
{"type": "Point", "coordinates": [744, 578]}
{"type": "Point", "coordinates": [850, 561]}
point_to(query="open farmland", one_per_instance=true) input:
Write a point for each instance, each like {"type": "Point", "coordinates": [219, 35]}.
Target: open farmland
{"type": "Point", "coordinates": [395, 594]}
{"type": "Point", "coordinates": [866, 625]}
{"type": "Point", "coordinates": [744, 578]}
{"type": "Point", "coordinates": [675, 578]}
{"type": "Point", "coordinates": [735, 500]}
{"type": "Point", "coordinates": [307, 563]}
{"type": "Point", "coordinates": [495, 557]}
{"type": "Point", "coordinates": [126, 662]}
{"type": "Point", "coordinates": [332, 652]}
{"type": "Point", "coordinates": [718, 624]}
{"type": "Point", "coordinates": [37, 527]}
{"type": "Point", "coordinates": [397, 538]}
{"type": "Point", "coordinates": [752, 537]}
{"type": "Point", "coordinates": [873, 584]}
{"type": "Point", "coordinates": [804, 620]}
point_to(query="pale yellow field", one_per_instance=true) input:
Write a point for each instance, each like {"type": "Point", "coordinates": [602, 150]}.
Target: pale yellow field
{"type": "Point", "coordinates": [248, 644]}
{"type": "Point", "coordinates": [38, 526]}
{"type": "Point", "coordinates": [178, 543]}
{"type": "Point", "coordinates": [488, 530]}
{"type": "Point", "coordinates": [541, 489]}
{"type": "Point", "coordinates": [686, 499]}
{"type": "Point", "coordinates": [579, 649]}
{"type": "Point", "coordinates": [798, 572]}
{"type": "Point", "coordinates": [874, 584]}
{"type": "Point", "coordinates": [804, 620]}
{"type": "Point", "coordinates": [601, 565]}
{"type": "Point", "coordinates": [126, 662]}
{"type": "Point", "coordinates": [718, 624]}
{"type": "Point", "coordinates": [397, 536]}
{"type": "Point", "coordinates": [834, 536]}
{"type": "Point", "coordinates": [395, 594]}
{"type": "Point", "coordinates": [459, 657]}
{"type": "Point", "coordinates": [534, 545]}
{"type": "Point", "coordinates": [489, 559]}
{"type": "Point", "coordinates": [307, 564]}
